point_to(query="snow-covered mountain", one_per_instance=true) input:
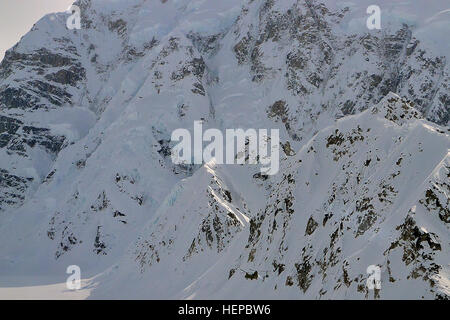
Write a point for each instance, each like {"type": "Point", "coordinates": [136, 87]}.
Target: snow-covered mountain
{"type": "Point", "coordinates": [86, 176]}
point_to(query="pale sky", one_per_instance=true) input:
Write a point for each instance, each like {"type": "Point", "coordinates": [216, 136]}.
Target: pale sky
{"type": "Point", "coordinates": [18, 16]}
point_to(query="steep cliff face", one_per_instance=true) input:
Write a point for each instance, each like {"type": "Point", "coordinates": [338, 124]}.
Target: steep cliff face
{"type": "Point", "coordinates": [341, 204]}
{"type": "Point", "coordinates": [86, 177]}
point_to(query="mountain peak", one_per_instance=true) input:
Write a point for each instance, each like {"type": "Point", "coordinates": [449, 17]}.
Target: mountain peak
{"type": "Point", "coordinates": [87, 118]}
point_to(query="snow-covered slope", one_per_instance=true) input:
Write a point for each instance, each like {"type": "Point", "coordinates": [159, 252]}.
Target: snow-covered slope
{"type": "Point", "coordinates": [342, 203]}
{"type": "Point", "coordinates": [86, 176]}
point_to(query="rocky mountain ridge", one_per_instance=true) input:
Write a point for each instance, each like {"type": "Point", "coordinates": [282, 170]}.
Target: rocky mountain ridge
{"type": "Point", "coordinates": [86, 176]}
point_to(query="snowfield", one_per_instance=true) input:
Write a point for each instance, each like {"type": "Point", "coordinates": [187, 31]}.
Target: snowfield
{"type": "Point", "coordinates": [86, 176]}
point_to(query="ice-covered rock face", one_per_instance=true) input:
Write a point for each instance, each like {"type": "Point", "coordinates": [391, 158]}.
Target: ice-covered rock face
{"type": "Point", "coordinates": [342, 203]}
{"type": "Point", "coordinates": [86, 118]}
